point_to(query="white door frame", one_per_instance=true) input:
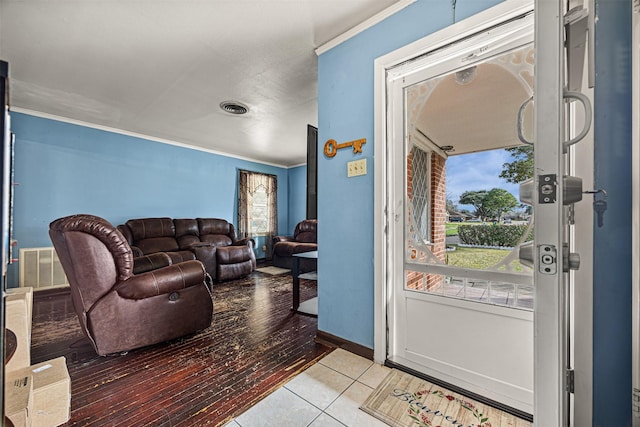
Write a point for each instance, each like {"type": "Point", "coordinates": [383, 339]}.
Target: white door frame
{"type": "Point", "coordinates": [635, 53]}
{"type": "Point", "coordinates": [549, 376]}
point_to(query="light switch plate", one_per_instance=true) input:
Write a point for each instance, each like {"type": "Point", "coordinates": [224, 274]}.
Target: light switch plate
{"type": "Point", "coordinates": [357, 168]}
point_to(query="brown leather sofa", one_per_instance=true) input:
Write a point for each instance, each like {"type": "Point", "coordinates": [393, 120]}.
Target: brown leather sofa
{"type": "Point", "coordinates": [304, 239]}
{"type": "Point", "coordinates": [212, 241]}
{"type": "Point", "coordinates": [117, 309]}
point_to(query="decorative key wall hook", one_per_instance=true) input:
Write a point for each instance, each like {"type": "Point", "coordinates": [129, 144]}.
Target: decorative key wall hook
{"type": "Point", "coordinates": [331, 147]}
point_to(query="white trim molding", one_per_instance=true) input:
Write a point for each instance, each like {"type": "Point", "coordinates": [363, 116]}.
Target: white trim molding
{"type": "Point", "coordinates": [141, 136]}
{"type": "Point", "coordinates": [635, 48]}
{"type": "Point", "coordinates": [375, 19]}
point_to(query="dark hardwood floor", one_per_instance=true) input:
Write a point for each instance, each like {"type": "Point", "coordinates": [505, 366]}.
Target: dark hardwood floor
{"type": "Point", "coordinates": [254, 345]}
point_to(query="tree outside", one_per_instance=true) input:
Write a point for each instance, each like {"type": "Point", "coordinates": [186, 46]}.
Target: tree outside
{"type": "Point", "coordinates": [521, 168]}
{"type": "Point", "coordinates": [499, 201]}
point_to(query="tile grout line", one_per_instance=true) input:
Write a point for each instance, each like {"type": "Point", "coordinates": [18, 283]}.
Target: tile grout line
{"type": "Point", "coordinates": [323, 411]}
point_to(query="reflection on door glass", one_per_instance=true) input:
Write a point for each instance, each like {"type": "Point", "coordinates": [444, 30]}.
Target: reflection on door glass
{"type": "Point", "coordinates": [464, 163]}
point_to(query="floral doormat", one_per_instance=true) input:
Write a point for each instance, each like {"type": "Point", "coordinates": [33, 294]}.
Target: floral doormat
{"type": "Point", "coordinates": [402, 400]}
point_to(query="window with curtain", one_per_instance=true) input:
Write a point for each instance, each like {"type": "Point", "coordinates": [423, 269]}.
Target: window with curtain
{"type": "Point", "coordinates": [258, 206]}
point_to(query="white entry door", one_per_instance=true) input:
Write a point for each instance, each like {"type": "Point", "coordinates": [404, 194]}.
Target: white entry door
{"type": "Point", "coordinates": [462, 308]}
{"type": "Point", "coordinates": [457, 304]}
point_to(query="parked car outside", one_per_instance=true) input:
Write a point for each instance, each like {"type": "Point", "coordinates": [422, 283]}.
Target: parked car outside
{"type": "Point", "coordinates": [455, 219]}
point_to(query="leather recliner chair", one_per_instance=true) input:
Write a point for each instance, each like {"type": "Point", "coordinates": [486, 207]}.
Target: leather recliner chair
{"type": "Point", "coordinates": [215, 243]}
{"type": "Point", "coordinates": [304, 239]}
{"type": "Point", "coordinates": [117, 309]}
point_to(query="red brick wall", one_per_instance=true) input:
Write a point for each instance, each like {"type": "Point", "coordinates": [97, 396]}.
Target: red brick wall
{"type": "Point", "coordinates": [422, 281]}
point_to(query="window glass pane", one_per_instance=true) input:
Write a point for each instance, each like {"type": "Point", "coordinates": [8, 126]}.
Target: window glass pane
{"type": "Point", "coordinates": [259, 211]}
{"type": "Point", "coordinates": [464, 224]}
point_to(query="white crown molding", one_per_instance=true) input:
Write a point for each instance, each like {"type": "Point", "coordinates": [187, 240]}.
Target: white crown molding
{"type": "Point", "coordinates": [297, 166]}
{"type": "Point", "coordinates": [139, 135]}
{"type": "Point", "coordinates": [380, 16]}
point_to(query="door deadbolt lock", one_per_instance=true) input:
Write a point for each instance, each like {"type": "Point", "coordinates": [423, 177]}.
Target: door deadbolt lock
{"type": "Point", "coordinates": [547, 259]}
{"type": "Point", "coordinates": [547, 189]}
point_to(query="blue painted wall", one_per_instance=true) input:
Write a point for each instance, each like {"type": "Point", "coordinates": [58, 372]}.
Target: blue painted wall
{"type": "Point", "coordinates": [612, 261]}
{"type": "Point", "coordinates": [345, 205]}
{"type": "Point", "coordinates": [297, 197]}
{"type": "Point", "coordinates": [65, 168]}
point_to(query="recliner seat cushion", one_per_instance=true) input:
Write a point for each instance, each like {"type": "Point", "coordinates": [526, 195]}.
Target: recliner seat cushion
{"type": "Point", "coordinates": [233, 254]}
{"type": "Point", "coordinates": [233, 271]}
{"type": "Point", "coordinates": [158, 244]}
{"type": "Point", "coordinates": [153, 234]}
{"type": "Point", "coordinates": [216, 239]}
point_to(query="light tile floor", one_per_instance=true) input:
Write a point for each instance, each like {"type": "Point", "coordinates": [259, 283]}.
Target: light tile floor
{"type": "Point", "coordinates": [328, 393]}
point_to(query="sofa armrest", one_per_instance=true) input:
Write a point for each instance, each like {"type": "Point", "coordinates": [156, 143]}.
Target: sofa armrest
{"type": "Point", "coordinates": [163, 281]}
{"type": "Point", "coordinates": [137, 252]}
{"type": "Point", "coordinates": [205, 252]}
{"type": "Point", "coordinates": [248, 241]}
{"type": "Point", "coordinates": [150, 262]}
{"type": "Point", "coordinates": [277, 239]}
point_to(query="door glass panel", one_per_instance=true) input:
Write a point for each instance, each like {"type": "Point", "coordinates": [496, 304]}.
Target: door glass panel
{"type": "Point", "coordinates": [464, 161]}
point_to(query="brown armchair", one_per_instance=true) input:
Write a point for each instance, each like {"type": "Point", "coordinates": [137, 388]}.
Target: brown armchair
{"type": "Point", "coordinates": [304, 239]}
{"type": "Point", "coordinates": [117, 309]}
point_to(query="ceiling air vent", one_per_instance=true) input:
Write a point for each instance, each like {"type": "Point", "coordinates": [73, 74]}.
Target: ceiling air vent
{"type": "Point", "coordinates": [234, 107]}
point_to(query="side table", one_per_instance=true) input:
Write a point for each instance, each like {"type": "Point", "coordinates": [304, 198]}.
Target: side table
{"type": "Point", "coordinates": [310, 306]}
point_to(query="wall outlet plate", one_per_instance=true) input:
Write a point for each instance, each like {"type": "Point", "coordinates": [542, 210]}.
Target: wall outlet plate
{"type": "Point", "coordinates": [357, 168]}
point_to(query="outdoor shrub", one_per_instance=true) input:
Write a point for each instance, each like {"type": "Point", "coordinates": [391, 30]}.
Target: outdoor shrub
{"type": "Point", "coordinates": [492, 235]}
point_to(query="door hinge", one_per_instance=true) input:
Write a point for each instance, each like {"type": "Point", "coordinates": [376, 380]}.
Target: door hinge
{"type": "Point", "coordinates": [569, 383]}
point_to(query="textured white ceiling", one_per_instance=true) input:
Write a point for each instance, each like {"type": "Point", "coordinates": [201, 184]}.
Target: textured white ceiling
{"type": "Point", "coordinates": [481, 113]}
{"type": "Point", "coordinates": [161, 68]}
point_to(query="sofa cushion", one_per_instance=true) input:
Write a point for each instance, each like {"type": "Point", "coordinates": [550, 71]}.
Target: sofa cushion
{"type": "Point", "coordinates": [306, 237]}
{"type": "Point", "coordinates": [233, 254]}
{"type": "Point", "coordinates": [217, 239]}
{"type": "Point", "coordinates": [213, 226]}
{"type": "Point", "coordinates": [187, 232]}
{"type": "Point", "coordinates": [306, 231]}
{"type": "Point", "coordinates": [186, 227]}
{"type": "Point", "coordinates": [147, 228]}
{"type": "Point", "coordinates": [157, 244]}
{"type": "Point", "coordinates": [233, 271]}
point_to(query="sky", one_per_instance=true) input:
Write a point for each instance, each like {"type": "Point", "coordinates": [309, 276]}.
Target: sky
{"type": "Point", "coordinates": [475, 172]}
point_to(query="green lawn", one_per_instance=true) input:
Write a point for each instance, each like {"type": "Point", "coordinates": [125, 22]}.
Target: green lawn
{"type": "Point", "coordinates": [452, 228]}
{"type": "Point", "coordinates": [478, 258]}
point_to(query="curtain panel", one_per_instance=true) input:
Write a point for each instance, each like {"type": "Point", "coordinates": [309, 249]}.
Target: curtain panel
{"type": "Point", "coordinates": [251, 184]}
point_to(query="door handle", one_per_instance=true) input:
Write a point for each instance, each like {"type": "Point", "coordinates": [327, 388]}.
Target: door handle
{"type": "Point", "coordinates": [588, 117]}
